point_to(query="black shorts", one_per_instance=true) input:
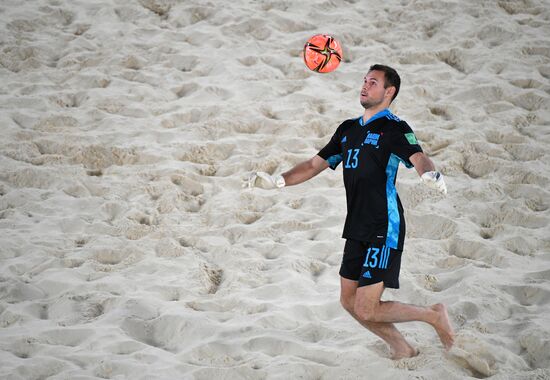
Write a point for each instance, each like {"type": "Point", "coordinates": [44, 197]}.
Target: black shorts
{"type": "Point", "coordinates": [370, 263]}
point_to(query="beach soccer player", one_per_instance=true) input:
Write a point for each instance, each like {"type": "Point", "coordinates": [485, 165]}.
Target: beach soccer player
{"type": "Point", "coordinates": [370, 149]}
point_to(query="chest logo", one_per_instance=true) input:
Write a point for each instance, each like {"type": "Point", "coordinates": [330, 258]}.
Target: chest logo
{"type": "Point", "coordinates": [372, 139]}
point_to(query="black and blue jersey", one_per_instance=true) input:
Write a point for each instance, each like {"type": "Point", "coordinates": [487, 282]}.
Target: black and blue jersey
{"type": "Point", "coordinates": [370, 154]}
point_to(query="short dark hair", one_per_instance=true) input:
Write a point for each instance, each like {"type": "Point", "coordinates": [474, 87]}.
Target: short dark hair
{"type": "Point", "coordinates": [391, 78]}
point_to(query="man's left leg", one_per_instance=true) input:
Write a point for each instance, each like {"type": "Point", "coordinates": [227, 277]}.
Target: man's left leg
{"type": "Point", "coordinates": [399, 347]}
{"type": "Point", "coordinates": [369, 308]}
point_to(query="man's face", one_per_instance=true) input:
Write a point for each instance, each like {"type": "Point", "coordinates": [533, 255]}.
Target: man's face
{"type": "Point", "coordinates": [373, 91]}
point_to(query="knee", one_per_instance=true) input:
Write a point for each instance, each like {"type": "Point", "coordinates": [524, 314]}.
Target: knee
{"type": "Point", "coordinates": [366, 314]}
{"type": "Point", "coordinates": [347, 303]}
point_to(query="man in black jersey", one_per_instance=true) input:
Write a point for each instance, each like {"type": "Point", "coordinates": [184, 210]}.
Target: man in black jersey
{"type": "Point", "coordinates": [370, 148]}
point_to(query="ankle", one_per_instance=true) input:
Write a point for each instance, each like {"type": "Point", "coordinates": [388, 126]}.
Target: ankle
{"type": "Point", "coordinates": [434, 314]}
{"type": "Point", "coordinates": [405, 352]}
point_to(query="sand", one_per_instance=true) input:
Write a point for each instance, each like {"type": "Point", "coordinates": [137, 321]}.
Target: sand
{"type": "Point", "coordinates": [129, 249]}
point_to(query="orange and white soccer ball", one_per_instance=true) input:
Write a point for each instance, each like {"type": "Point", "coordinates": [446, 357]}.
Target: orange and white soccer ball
{"type": "Point", "coordinates": [322, 53]}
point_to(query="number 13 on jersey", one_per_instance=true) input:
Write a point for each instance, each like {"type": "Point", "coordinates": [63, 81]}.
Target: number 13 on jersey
{"type": "Point", "coordinates": [352, 160]}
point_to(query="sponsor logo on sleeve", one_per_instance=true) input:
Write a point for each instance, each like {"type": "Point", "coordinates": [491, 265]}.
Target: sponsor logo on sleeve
{"type": "Point", "coordinates": [411, 138]}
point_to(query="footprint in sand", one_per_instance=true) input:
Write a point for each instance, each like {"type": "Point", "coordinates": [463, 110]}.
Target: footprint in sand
{"type": "Point", "coordinates": [183, 63]}
{"type": "Point", "coordinates": [186, 90]}
{"type": "Point", "coordinates": [526, 83]}
{"type": "Point", "coordinates": [187, 185]}
{"type": "Point", "coordinates": [531, 101]}
{"type": "Point", "coordinates": [248, 61]}
{"type": "Point", "coordinates": [25, 348]}
{"type": "Point", "coordinates": [528, 295]}
{"type": "Point", "coordinates": [110, 260]}
{"type": "Point", "coordinates": [432, 226]}
{"type": "Point", "coordinates": [482, 359]}
{"type": "Point", "coordinates": [212, 277]}
{"type": "Point", "coordinates": [545, 71]}
{"type": "Point", "coordinates": [454, 58]}
{"type": "Point", "coordinates": [536, 344]}
{"type": "Point", "coordinates": [276, 347]}
{"type": "Point", "coordinates": [168, 247]}
{"type": "Point", "coordinates": [519, 245]}
{"type": "Point", "coordinates": [500, 137]}
{"type": "Point", "coordinates": [168, 332]}
{"type": "Point", "coordinates": [474, 250]}
{"type": "Point", "coordinates": [252, 27]}
{"type": "Point", "coordinates": [159, 7]}
{"type": "Point", "coordinates": [210, 153]}
{"type": "Point", "coordinates": [476, 165]}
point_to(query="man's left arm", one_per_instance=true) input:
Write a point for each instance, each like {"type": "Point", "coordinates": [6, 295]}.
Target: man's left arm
{"type": "Point", "coordinates": [426, 170]}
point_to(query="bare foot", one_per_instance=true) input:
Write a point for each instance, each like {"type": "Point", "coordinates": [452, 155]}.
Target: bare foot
{"type": "Point", "coordinates": [443, 326]}
{"type": "Point", "coordinates": [406, 353]}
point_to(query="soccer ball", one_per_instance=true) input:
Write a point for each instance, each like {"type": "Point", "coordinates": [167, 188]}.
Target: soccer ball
{"type": "Point", "coordinates": [322, 53]}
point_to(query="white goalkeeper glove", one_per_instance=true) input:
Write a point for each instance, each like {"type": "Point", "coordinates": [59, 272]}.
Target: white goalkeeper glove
{"type": "Point", "coordinates": [265, 181]}
{"type": "Point", "coordinates": [435, 181]}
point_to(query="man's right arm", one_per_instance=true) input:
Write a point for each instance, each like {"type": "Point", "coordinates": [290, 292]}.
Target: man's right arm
{"type": "Point", "coordinates": [329, 156]}
{"type": "Point", "coordinates": [305, 170]}
{"type": "Point", "coordinates": [298, 174]}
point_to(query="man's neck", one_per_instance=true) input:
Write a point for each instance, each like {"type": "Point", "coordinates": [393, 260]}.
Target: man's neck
{"type": "Point", "coordinates": [370, 112]}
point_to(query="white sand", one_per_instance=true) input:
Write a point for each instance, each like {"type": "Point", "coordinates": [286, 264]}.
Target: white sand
{"type": "Point", "coordinates": [129, 250]}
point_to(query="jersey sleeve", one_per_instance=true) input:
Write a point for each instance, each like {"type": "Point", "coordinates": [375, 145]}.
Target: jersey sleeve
{"type": "Point", "coordinates": [404, 144]}
{"type": "Point", "coordinates": [332, 152]}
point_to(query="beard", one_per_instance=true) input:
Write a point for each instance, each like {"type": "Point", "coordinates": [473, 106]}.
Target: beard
{"type": "Point", "coordinates": [369, 103]}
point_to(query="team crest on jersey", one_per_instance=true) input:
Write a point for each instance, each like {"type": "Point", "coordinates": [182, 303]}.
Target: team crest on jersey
{"type": "Point", "coordinates": [372, 139]}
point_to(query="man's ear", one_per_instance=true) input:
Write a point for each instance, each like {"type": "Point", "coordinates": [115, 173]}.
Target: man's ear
{"type": "Point", "coordinates": [390, 91]}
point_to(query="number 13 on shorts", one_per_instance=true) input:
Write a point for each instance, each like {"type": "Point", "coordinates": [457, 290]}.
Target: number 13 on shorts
{"type": "Point", "coordinates": [377, 258]}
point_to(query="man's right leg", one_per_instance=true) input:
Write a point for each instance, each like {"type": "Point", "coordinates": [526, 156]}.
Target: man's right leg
{"type": "Point", "coordinates": [369, 307]}
{"type": "Point", "coordinates": [399, 347]}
